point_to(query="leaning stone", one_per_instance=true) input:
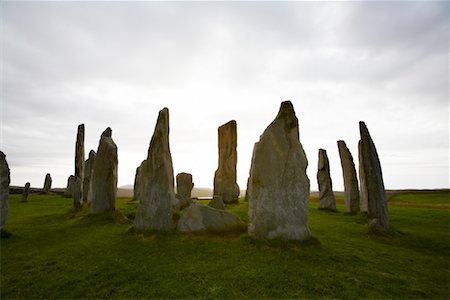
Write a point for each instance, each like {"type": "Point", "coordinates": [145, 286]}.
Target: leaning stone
{"type": "Point", "coordinates": [217, 203]}
{"type": "Point", "coordinates": [184, 189]}
{"type": "Point", "coordinates": [26, 192]}
{"type": "Point", "coordinates": [327, 200]}
{"type": "Point", "coordinates": [47, 184]}
{"type": "Point", "coordinates": [197, 218]}
{"type": "Point", "coordinates": [278, 187]}
{"type": "Point", "coordinates": [376, 195]}
{"type": "Point", "coordinates": [88, 170]}
{"type": "Point", "coordinates": [69, 188]}
{"type": "Point", "coordinates": [225, 184]}
{"type": "Point", "coordinates": [137, 182]}
{"type": "Point", "coordinates": [103, 192]}
{"type": "Point", "coordinates": [351, 190]}
{"type": "Point", "coordinates": [5, 179]}
{"type": "Point", "coordinates": [156, 182]}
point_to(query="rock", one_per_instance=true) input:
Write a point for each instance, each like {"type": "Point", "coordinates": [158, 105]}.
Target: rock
{"type": "Point", "coordinates": [77, 191]}
{"type": "Point", "coordinates": [103, 191]}
{"type": "Point", "coordinates": [374, 185]}
{"type": "Point", "coordinates": [69, 188]}
{"type": "Point", "coordinates": [198, 217]}
{"type": "Point", "coordinates": [137, 182]}
{"type": "Point", "coordinates": [225, 184]}
{"type": "Point", "coordinates": [47, 184]}
{"type": "Point", "coordinates": [326, 197]}
{"type": "Point", "coordinates": [217, 203]}
{"type": "Point", "coordinates": [351, 190]}
{"type": "Point", "coordinates": [362, 181]}
{"type": "Point", "coordinates": [26, 192]}
{"type": "Point", "coordinates": [156, 181]}
{"type": "Point", "coordinates": [88, 170]}
{"type": "Point", "coordinates": [77, 198]}
{"type": "Point", "coordinates": [184, 189]}
{"type": "Point", "coordinates": [5, 179]}
{"type": "Point", "coordinates": [278, 187]}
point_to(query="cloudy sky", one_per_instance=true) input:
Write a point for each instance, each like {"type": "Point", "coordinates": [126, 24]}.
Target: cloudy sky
{"type": "Point", "coordinates": [118, 63]}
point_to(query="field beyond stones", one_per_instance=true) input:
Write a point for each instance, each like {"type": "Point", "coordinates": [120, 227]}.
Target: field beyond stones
{"type": "Point", "coordinates": [54, 253]}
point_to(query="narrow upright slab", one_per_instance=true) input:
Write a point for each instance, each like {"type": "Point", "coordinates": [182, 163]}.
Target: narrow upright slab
{"type": "Point", "coordinates": [5, 179]}
{"type": "Point", "coordinates": [351, 190]}
{"type": "Point", "coordinates": [88, 170]}
{"type": "Point", "coordinates": [156, 193]}
{"type": "Point", "coordinates": [25, 192]}
{"type": "Point", "coordinates": [225, 184]}
{"type": "Point", "coordinates": [47, 184]}
{"type": "Point", "coordinates": [278, 187]}
{"type": "Point", "coordinates": [77, 188]}
{"type": "Point", "coordinates": [362, 181]}
{"type": "Point", "coordinates": [69, 187]}
{"type": "Point", "coordinates": [326, 196]}
{"type": "Point", "coordinates": [184, 189]}
{"type": "Point", "coordinates": [137, 182]}
{"type": "Point", "coordinates": [103, 192]}
{"type": "Point", "coordinates": [376, 195]}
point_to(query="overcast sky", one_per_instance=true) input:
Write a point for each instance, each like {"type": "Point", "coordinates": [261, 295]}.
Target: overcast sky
{"type": "Point", "coordinates": [118, 63]}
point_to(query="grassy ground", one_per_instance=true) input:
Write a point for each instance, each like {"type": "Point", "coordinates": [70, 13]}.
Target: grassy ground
{"type": "Point", "coordinates": [54, 253]}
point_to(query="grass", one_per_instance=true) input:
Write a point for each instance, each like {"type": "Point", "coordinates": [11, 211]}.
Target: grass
{"type": "Point", "coordinates": [54, 253]}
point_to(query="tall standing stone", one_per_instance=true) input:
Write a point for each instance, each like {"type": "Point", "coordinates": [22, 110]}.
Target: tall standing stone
{"type": "Point", "coordinates": [278, 187]}
{"type": "Point", "coordinates": [351, 190]}
{"type": "Point", "coordinates": [5, 180]}
{"type": "Point", "coordinates": [47, 184]}
{"type": "Point", "coordinates": [362, 181]}
{"type": "Point", "coordinates": [156, 181]}
{"type": "Point", "coordinates": [326, 196]}
{"type": "Point", "coordinates": [225, 184]}
{"type": "Point", "coordinates": [137, 182]}
{"type": "Point", "coordinates": [103, 192]}
{"type": "Point", "coordinates": [25, 192]}
{"type": "Point", "coordinates": [77, 196]}
{"type": "Point", "coordinates": [376, 195]}
{"type": "Point", "coordinates": [184, 189]}
{"type": "Point", "coordinates": [88, 170]}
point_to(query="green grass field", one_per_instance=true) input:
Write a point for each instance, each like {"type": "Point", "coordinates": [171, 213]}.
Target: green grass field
{"type": "Point", "coordinates": [54, 253]}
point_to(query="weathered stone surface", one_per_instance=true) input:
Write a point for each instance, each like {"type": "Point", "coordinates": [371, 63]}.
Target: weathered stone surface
{"type": "Point", "coordinates": [5, 179]}
{"type": "Point", "coordinates": [278, 187]}
{"type": "Point", "coordinates": [77, 191]}
{"type": "Point", "coordinates": [326, 195]}
{"type": "Point", "coordinates": [362, 181]}
{"type": "Point", "coordinates": [184, 189]}
{"type": "Point", "coordinates": [198, 217]}
{"type": "Point", "coordinates": [376, 195]}
{"type": "Point", "coordinates": [225, 184]}
{"type": "Point", "coordinates": [103, 191]}
{"type": "Point", "coordinates": [26, 192]}
{"type": "Point", "coordinates": [77, 198]}
{"type": "Point", "coordinates": [137, 182]}
{"type": "Point", "coordinates": [351, 190]}
{"type": "Point", "coordinates": [47, 184]}
{"type": "Point", "coordinates": [69, 188]}
{"type": "Point", "coordinates": [88, 171]}
{"type": "Point", "coordinates": [217, 203]}
{"type": "Point", "coordinates": [155, 192]}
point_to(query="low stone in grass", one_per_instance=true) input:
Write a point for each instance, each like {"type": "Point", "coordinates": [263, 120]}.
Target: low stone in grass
{"type": "Point", "coordinates": [5, 179]}
{"type": "Point", "coordinates": [68, 191]}
{"type": "Point", "coordinates": [327, 201]}
{"type": "Point", "coordinates": [184, 189]}
{"type": "Point", "coordinates": [217, 203]}
{"type": "Point", "coordinates": [25, 192]}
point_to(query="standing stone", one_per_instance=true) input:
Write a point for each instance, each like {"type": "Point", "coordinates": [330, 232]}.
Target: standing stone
{"type": "Point", "coordinates": [137, 182]}
{"type": "Point", "coordinates": [225, 184]}
{"type": "Point", "coordinates": [376, 195]}
{"type": "Point", "coordinates": [5, 180]}
{"type": "Point", "coordinates": [278, 187]}
{"type": "Point", "coordinates": [88, 170]}
{"type": "Point", "coordinates": [69, 188]}
{"type": "Point", "coordinates": [47, 184]}
{"type": "Point", "coordinates": [184, 189]}
{"type": "Point", "coordinates": [103, 192]}
{"type": "Point", "coordinates": [326, 196]}
{"type": "Point", "coordinates": [156, 183]}
{"type": "Point", "coordinates": [79, 169]}
{"type": "Point", "coordinates": [351, 190]}
{"type": "Point", "coordinates": [362, 181]}
{"type": "Point", "coordinates": [26, 192]}
{"type": "Point", "coordinates": [76, 193]}
{"type": "Point", "coordinates": [217, 203]}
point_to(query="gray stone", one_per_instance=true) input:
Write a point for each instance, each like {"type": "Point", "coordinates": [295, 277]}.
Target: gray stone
{"type": "Point", "coordinates": [137, 181]}
{"type": "Point", "coordinates": [376, 195]}
{"type": "Point", "coordinates": [197, 218]}
{"type": "Point", "coordinates": [278, 187]}
{"type": "Point", "coordinates": [5, 179]}
{"type": "Point", "coordinates": [26, 192]}
{"type": "Point", "coordinates": [69, 188]}
{"type": "Point", "coordinates": [184, 189]}
{"type": "Point", "coordinates": [88, 170]}
{"type": "Point", "coordinates": [47, 184]}
{"type": "Point", "coordinates": [326, 196]}
{"type": "Point", "coordinates": [351, 190]}
{"type": "Point", "coordinates": [362, 181]}
{"type": "Point", "coordinates": [225, 184]}
{"type": "Point", "coordinates": [217, 203]}
{"type": "Point", "coordinates": [77, 197]}
{"type": "Point", "coordinates": [156, 193]}
{"type": "Point", "coordinates": [103, 191]}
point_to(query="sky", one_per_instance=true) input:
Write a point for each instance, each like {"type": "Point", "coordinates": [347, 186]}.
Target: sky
{"type": "Point", "coordinates": [117, 64]}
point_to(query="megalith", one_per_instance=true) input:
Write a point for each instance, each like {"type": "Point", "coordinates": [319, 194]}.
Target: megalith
{"type": "Point", "coordinates": [217, 203]}
{"type": "Point", "coordinates": [156, 193]}
{"type": "Point", "coordinates": [362, 181]}
{"type": "Point", "coordinates": [351, 190]}
{"type": "Point", "coordinates": [103, 191]}
{"type": "Point", "coordinates": [88, 169]}
{"type": "Point", "coordinates": [327, 200]}
{"type": "Point", "coordinates": [5, 179]}
{"type": "Point", "coordinates": [47, 184]}
{"type": "Point", "coordinates": [137, 182]}
{"type": "Point", "coordinates": [374, 185]}
{"type": "Point", "coordinates": [69, 188]}
{"type": "Point", "coordinates": [278, 187]}
{"type": "Point", "coordinates": [184, 189]}
{"type": "Point", "coordinates": [77, 188]}
{"type": "Point", "coordinates": [225, 184]}
{"type": "Point", "coordinates": [25, 192]}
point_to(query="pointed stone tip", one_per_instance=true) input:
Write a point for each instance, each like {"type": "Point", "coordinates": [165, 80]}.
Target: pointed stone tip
{"type": "Point", "coordinates": [286, 106]}
{"type": "Point", "coordinates": [107, 132]}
